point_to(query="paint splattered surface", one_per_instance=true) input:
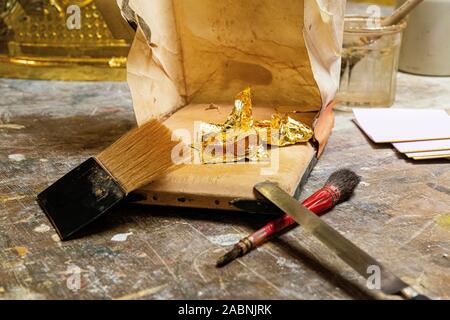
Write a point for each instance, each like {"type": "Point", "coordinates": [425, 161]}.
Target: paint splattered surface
{"type": "Point", "coordinates": [400, 215]}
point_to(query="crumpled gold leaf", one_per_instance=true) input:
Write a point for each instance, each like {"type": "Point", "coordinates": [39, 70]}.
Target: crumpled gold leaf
{"type": "Point", "coordinates": [242, 115]}
{"type": "Point", "coordinates": [283, 131]}
{"type": "Point", "coordinates": [243, 138]}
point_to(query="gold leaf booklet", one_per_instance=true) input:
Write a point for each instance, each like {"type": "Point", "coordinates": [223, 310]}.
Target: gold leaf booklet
{"type": "Point", "coordinates": [189, 54]}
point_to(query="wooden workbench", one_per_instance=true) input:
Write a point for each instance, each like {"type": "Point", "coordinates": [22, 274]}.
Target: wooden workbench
{"type": "Point", "coordinates": [400, 213]}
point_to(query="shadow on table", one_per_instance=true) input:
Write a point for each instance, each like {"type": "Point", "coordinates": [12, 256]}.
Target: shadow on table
{"type": "Point", "coordinates": [127, 213]}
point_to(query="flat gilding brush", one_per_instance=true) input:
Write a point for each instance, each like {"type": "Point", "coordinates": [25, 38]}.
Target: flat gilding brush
{"type": "Point", "coordinates": [94, 187]}
{"type": "Point", "coordinates": [338, 188]}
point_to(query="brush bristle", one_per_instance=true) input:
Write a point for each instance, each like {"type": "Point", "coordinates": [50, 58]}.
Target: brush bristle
{"type": "Point", "coordinates": [140, 156]}
{"type": "Point", "coordinates": [345, 181]}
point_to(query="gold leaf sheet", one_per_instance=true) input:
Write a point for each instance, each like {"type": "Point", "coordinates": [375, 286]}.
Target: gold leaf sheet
{"type": "Point", "coordinates": [243, 138]}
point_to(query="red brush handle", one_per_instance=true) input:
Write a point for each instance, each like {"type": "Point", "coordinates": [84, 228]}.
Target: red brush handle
{"type": "Point", "coordinates": [319, 203]}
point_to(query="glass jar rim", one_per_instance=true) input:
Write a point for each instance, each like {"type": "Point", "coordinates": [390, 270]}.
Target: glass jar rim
{"type": "Point", "coordinates": [396, 28]}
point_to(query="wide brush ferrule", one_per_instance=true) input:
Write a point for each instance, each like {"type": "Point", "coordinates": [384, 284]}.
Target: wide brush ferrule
{"type": "Point", "coordinates": [321, 201]}
{"type": "Point", "coordinates": [245, 245]}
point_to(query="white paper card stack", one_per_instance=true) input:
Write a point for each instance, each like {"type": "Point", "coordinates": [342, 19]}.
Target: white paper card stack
{"type": "Point", "coordinates": [419, 133]}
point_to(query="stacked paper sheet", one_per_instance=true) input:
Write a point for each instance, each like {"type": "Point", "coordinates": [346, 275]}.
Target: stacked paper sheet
{"type": "Point", "coordinates": [420, 134]}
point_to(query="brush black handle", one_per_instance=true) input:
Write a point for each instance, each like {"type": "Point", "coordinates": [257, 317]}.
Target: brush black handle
{"type": "Point", "coordinates": [80, 197]}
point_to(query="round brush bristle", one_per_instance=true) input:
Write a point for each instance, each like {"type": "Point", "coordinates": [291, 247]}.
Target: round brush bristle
{"type": "Point", "coordinates": [345, 182]}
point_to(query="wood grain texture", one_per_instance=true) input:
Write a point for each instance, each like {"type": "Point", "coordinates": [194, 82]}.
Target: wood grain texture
{"type": "Point", "coordinates": [400, 215]}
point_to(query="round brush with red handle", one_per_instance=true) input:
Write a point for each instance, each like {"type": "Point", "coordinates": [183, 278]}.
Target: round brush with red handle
{"type": "Point", "coordinates": [338, 188]}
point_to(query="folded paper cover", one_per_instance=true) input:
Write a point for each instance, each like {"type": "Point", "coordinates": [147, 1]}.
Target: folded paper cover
{"type": "Point", "coordinates": [188, 54]}
{"type": "Point", "coordinates": [203, 51]}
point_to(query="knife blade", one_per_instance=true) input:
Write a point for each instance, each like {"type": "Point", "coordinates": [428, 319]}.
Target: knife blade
{"type": "Point", "coordinates": [358, 259]}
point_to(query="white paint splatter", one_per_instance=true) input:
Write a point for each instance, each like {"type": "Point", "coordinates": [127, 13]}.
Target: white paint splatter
{"type": "Point", "coordinates": [42, 228]}
{"type": "Point", "coordinates": [18, 157]}
{"type": "Point", "coordinates": [121, 237]}
{"type": "Point", "coordinates": [225, 240]}
{"type": "Point", "coordinates": [282, 262]}
{"type": "Point", "coordinates": [365, 184]}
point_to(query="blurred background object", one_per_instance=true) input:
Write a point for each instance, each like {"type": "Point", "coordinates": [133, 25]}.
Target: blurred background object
{"type": "Point", "coordinates": [426, 44]}
{"type": "Point", "coordinates": [426, 41]}
{"type": "Point", "coordinates": [63, 40]}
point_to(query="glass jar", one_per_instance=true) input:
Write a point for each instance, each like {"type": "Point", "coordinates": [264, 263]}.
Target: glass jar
{"type": "Point", "coordinates": [369, 64]}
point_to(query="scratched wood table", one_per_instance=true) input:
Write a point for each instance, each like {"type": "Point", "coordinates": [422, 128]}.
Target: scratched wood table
{"type": "Point", "coordinates": [400, 213]}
